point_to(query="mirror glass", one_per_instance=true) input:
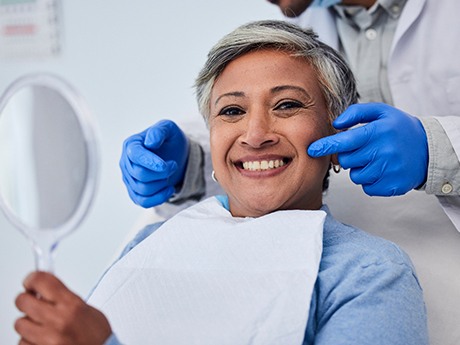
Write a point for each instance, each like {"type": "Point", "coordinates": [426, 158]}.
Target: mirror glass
{"type": "Point", "coordinates": [48, 155]}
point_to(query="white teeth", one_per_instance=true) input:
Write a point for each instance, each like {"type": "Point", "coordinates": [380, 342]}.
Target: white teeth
{"type": "Point", "coordinates": [263, 165]}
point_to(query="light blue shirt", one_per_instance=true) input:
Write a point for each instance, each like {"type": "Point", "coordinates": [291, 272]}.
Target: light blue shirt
{"type": "Point", "coordinates": [367, 291]}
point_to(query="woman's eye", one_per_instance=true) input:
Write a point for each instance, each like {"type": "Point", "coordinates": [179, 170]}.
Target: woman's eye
{"type": "Point", "coordinates": [231, 111]}
{"type": "Point", "coordinates": [289, 105]}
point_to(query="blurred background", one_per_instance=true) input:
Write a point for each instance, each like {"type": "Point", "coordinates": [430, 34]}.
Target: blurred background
{"type": "Point", "coordinates": [134, 62]}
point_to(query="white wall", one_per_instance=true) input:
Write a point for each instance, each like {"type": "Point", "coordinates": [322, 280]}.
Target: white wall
{"type": "Point", "coordinates": [134, 62]}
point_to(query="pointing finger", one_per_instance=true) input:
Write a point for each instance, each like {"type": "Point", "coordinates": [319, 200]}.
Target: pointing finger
{"type": "Point", "coordinates": [341, 142]}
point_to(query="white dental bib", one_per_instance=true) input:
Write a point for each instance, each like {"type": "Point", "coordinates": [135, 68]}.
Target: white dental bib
{"type": "Point", "coordinates": [205, 277]}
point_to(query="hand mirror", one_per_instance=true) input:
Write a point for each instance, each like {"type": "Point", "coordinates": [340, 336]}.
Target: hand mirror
{"type": "Point", "coordinates": [48, 156]}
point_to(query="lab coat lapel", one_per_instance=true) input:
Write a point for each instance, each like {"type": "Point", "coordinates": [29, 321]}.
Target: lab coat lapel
{"type": "Point", "coordinates": [410, 13]}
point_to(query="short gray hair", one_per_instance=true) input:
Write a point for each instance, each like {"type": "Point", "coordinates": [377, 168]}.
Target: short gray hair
{"type": "Point", "coordinates": [337, 82]}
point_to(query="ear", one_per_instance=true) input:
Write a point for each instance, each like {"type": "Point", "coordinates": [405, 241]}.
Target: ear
{"type": "Point", "coordinates": [335, 159]}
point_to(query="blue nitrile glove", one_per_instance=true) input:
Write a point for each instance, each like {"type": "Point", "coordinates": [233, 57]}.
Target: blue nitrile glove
{"type": "Point", "coordinates": [387, 156]}
{"type": "Point", "coordinates": [153, 163]}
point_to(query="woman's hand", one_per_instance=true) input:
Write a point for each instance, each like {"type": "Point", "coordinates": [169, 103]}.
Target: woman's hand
{"type": "Point", "coordinates": [55, 315]}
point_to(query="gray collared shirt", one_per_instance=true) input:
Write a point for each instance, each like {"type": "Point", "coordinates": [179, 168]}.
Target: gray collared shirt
{"type": "Point", "coordinates": [365, 40]}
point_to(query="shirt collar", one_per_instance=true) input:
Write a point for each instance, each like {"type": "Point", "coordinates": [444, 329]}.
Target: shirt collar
{"type": "Point", "coordinates": [365, 18]}
{"type": "Point", "coordinates": [392, 7]}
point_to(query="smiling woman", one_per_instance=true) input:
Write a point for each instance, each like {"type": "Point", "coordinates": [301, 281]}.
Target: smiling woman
{"type": "Point", "coordinates": [266, 98]}
{"type": "Point", "coordinates": [266, 109]}
{"type": "Point", "coordinates": [266, 263]}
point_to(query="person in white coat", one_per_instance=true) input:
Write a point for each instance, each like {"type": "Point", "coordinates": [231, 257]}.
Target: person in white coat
{"type": "Point", "coordinates": [416, 71]}
{"type": "Point", "coordinates": [403, 53]}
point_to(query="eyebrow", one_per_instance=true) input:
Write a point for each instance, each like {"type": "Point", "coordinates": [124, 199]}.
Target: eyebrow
{"type": "Point", "coordinates": [280, 88]}
{"type": "Point", "coordinates": [274, 90]}
{"type": "Point", "coordinates": [230, 94]}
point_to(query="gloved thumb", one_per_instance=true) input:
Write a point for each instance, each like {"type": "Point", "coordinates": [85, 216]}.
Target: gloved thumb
{"type": "Point", "coordinates": [159, 133]}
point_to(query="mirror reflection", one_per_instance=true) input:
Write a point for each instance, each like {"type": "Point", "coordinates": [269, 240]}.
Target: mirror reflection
{"type": "Point", "coordinates": [47, 150]}
{"type": "Point", "coordinates": [44, 160]}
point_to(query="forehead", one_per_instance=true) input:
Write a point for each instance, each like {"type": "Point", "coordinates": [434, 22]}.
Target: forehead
{"type": "Point", "coordinates": [266, 68]}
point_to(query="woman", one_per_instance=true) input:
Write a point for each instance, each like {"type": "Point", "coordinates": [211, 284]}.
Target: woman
{"type": "Point", "coordinates": [267, 91]}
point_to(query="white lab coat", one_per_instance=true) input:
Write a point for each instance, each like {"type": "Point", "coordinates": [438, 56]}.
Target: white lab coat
{"type": "Point", "coordinates": [424, 77]}
{"type": "Point", "coordinates": [423, 68]}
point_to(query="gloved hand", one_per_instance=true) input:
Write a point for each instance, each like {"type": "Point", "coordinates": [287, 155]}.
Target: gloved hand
{"type": "Point", "coordinates": [387, 156]}
{"type": "Point", "coordinates": [153, 163]}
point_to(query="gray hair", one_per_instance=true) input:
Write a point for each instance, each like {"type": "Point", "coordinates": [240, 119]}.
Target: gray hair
{"type": "Point", "coordinates": [336, 80]}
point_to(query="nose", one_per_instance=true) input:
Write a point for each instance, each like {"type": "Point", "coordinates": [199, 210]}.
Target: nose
{"type": "Point", "coordinates": [259, 131]}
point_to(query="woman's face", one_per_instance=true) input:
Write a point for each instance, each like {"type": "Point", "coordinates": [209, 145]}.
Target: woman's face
{"type": "Point", "coordinates": [266, 109]}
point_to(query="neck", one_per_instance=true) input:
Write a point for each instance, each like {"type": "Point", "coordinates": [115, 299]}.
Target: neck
{"type": "Point", "coordinates": [364, 3]}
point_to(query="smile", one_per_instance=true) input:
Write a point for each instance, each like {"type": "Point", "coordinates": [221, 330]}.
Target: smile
{"type": "Point", "coordinates": [263, 164]}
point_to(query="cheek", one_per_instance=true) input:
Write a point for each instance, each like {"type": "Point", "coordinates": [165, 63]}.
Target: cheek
{"type": "Point", "coordinates": [220, 144]}
{"type": "Point", "coordinates": [304, 138]}
{"type": "Point", "coordinates": [306, 134]}
{"type": "Point", "coordinates": [214, 147]}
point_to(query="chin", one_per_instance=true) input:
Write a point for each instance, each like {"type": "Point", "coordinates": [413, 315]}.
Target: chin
{"type": "Point", "coordinates": [258, 208]}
